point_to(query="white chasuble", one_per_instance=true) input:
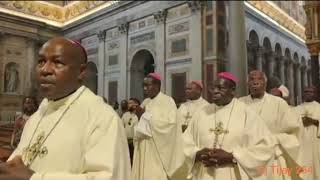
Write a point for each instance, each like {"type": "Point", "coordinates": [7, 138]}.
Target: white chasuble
{"type": "Point", "coordinates": [284, 125]}
{"type": "Point", "coordinates": [309, 154]}
{"type": "Point", "coordinates": [245, 135]}
{"type": "Point", "coordinates": [76, 138]}
{"type": "Point", "coordinates": [187, 110]}
{"type": "Point", "coordinates": [158, 141]}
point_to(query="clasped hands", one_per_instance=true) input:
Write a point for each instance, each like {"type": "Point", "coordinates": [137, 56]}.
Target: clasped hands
{"type": "Point", "coordinates": [214, 157]}
{"type": "Point", "coordinates": [15, 170]}
{"type": "Point", "coordinates": [307, 121]}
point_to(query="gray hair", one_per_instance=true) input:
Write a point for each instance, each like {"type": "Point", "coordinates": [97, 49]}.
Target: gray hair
{"type": "Point", "coordinates": [263, 74]}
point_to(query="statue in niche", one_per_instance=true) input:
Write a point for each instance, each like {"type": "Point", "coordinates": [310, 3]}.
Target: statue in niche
{"type": "Point", "coordinates": [11, 78]}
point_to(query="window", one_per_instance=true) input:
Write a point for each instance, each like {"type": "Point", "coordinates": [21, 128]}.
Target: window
{"type": "Point", "coordinates": [209, 42]}
{"type": "Point", "coordinates": [178, 87]}
{"type": "Point", "coordinates": [113, 60]}
{"type": "Point", "coordinates": [179, 46]}
{"type": "Point", "coordinates": [209, 5]}
{"type": "Point", "coordinates": [209, 19]}
{"type": "Point", "coordinates": [113, 91]}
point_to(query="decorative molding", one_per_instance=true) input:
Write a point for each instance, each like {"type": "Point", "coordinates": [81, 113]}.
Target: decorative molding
{"type": "Point", "coordinates": [59, 15]}
{"type": "Point", "coordinates": [142, 37]}
{"type": "Point", "coordinates": [113, 45]}
{"type": "Point", "coordinates": [101, 35]}
{"type": "Point", "coordinates": [177, 28]}
{"type": "Point", "coordinates": [195, 6]}
{"type": "Point", "coordinates": [123, 28]}
{"type": "Point", "coordinates": [281, 17]}
{"type": "Point", "coordinates": [160, 16]}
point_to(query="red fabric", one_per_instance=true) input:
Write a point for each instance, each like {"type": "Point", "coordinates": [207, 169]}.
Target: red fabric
{"type": "Point", "coordinates": [228, 75]}
{"type": "Point", "coordinates": [155, 75]}
{"type": "Point", "coordinates": [82, 48]}
{"type": "Point", "coordinates": [198, 83]}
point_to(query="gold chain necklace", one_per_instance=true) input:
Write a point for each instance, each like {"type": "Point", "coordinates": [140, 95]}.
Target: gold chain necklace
{"type": "Point", "coordinates": [31, 152]}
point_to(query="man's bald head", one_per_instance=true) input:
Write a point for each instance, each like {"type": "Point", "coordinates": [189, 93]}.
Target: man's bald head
{"type": "Point", "coordinates": [60, 68]}
{"type": "Point", "coordinates": [71, 47]}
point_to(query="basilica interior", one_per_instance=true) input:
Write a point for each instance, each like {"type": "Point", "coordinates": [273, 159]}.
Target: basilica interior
{"type": "Point", "coordinates": [182, 40]}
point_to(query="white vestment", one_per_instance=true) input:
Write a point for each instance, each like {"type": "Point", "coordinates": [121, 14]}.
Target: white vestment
{"type": "Point", "coordinates": [158, 143]}
{"type": "Point", "coordinates": [187, 109]}
{"type": "Point", "coordinates": [130, 120]}
{"type": "Point", "coordinates": [309, 155]}
{"type": "Point", "coordinates": [284, 125]}
{"type": "Point", "coordinates": [83, 139]}
{"type": "Point", "coordinates": [247, 138]}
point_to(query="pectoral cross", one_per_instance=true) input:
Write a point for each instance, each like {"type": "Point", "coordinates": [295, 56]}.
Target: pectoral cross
{"type": "Point", "coordinates": [218, 130]}
{"type": "Point", "coordinates": [188, 117]}
{"type": "Point", "coordinates": [31, 152]}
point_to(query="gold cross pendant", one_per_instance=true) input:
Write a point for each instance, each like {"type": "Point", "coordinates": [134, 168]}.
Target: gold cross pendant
{"type": "Point", "coordinates": [218, 130]}
{"type": "Point", "coordinates": [188, 116]}
{"type": "Point", "coordinates": [30, 153]}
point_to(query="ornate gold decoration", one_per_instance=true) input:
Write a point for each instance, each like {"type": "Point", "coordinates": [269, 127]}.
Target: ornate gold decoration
{"type": "Point", "coordinates": [218, 130]}
{"type": "Point", "coordinates": [280, 16]}
{"type": "Point", "coordinates": [36, 149]}
{"type": "Point", "coordinates": [312, 31]}
{"type": "Point", "coordinates": [41, 9]}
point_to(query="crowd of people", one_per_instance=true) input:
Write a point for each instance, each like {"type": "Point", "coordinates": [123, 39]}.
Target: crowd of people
{"type": "Point", "coordinates": [76, 135]}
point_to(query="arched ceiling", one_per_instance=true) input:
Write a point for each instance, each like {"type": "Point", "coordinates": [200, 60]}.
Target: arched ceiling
{"type": "Point", "coordinates": [55, 13]}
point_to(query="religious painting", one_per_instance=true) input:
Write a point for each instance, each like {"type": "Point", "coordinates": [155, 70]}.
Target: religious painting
{"type": "Point", "coordinates": [11, 78]}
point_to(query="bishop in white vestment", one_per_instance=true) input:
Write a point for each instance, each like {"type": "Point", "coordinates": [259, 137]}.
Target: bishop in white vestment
{"type": "Point", "coordinates": [74, 135]}
{"type": "Point", "coordinates": [309, 154]}
{"type": "Point", "coordinates": [227, 126]}
{"type": "Point", "coordinates": [75, 138]}
{"type": "Point", "coordinates": [281, 121]}
{"type": "Point", "coordinates": [194, 103]}
{"type": "Point", "coordinates": [158, 143]}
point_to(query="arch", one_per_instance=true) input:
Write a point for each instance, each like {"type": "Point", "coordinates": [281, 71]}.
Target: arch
{"type": "Point", "coordinates": [252, 48]}
{"type": "Point", "coordinates": [253, 38]}
{"type": "Point", "coordinates": [267, 50]}
{"type": "Point", "coordinates": [11, 77]}
{"type": "Point", "coordinates": [142, 63]}
{"type": "Point", "coordinates": [91, 78]}
{"type": "Point", "coordinates": [267, 43]}
{"type": "Point", "coordinates": [296, 57]}
{"type": "Point", "coordinates": [303, 61]}
{"type": "Point", "coordinates": [278, 63]}
{"type": "Point", "coordinates": [278, 49]}
{"type": "Point", "coordinates": [287, 53]}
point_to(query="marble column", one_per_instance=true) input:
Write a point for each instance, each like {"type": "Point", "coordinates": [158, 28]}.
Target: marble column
{"type": "Point", "coordinates": [259, 58]}
{"type": "Point", "coordinates": [315, 74]}
{"type": "Point", "coordinates": [271, 63]}
{"type": "Point", "coordinates": [31, 63]}
{"type": "Point", "coordinates": [237, 45]}
{"type": "Point", "coordinates": [123, 61]}
{"type": "Point", "coordinates": [305, 77]}
{"type": "Point", "coordinates": [195, 39]}
{"type": "Point", "coordinates": [160, 58]}
{"type": "Point", "coordinates": [291, 81]}
{"type": "Point", "coordinates": [101, 60]}
{"type": "Point", "coordinates": [298, 83]}
{"type": "Point", "coordinates": [282, 68]}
